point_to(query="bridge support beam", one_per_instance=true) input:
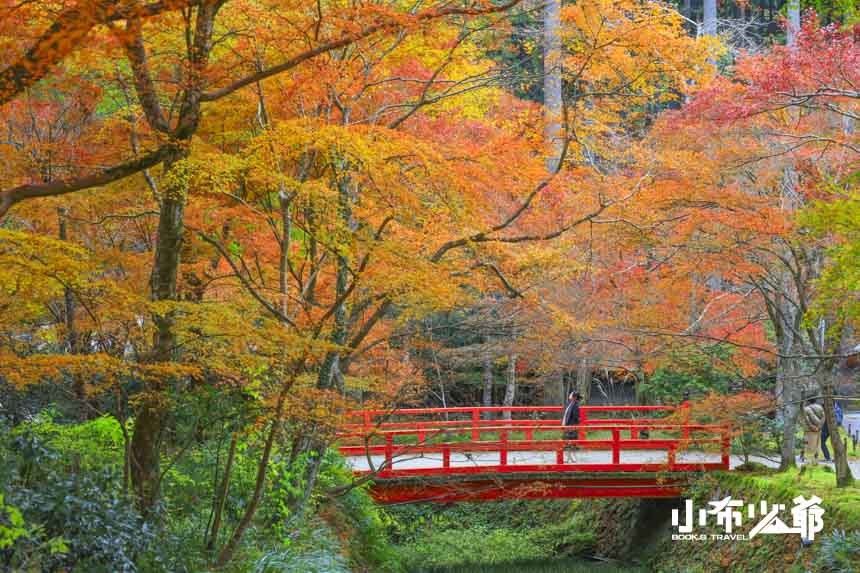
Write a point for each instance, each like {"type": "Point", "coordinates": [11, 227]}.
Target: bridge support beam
{"type": "Point", "coordinates": [400, 492]}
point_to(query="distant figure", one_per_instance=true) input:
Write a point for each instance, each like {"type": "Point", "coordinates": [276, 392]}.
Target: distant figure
{"type": "Point", "coordinates": [825, 431]}
{"type": "Point", "coordinates": [571, 418]}
{"type": "Point", "coordinates": [813, 419]}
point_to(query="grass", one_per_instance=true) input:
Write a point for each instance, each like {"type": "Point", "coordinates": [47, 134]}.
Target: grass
{"type": "Point", "coordinates": [545, 566]}
{"type": "Point", "coordinates": [819, 480]}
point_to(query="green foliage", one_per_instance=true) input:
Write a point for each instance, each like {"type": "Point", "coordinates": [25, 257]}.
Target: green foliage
{"type": "Point", "coordinates": [472, 534]}
{"type": "Point", "coordinates": [76, 521]}
{"type": "Point", "coordinates": [63, 506]}
{"type": "Point", "coordinates": [771, 552]}
{"type": "Point", "coordinates": [478, 545]}
{"type": "Point", "coordinates": [837, 219]}
{"type": "Point", "coordinates": [91, 445]}
{"type": "Point", "coordinates": [11, 525]}
{"type": "Point", "coordinates": [840, 552]}
{"type": "Point", "coordinates": [23, 548]}
{"type": "Point", "coordinates": [844, 12]}
{"type": "Point", "coordinates": [696, 376]}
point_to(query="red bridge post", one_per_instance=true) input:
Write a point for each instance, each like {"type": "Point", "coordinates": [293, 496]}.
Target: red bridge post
{"type": "Point", "coordinates": [616, 447]}
{"type": "Point", "coordinates": [583, 419]}
{"type": "Point", "coordinates": [503, 452]}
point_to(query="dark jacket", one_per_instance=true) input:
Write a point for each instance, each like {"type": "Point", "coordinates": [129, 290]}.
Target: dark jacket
{"type": "Point", "coordinates": [571, 414]}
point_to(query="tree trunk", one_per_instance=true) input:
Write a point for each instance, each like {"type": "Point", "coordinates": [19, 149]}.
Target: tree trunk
{"type": "Point", "coordinates": [709, 24]}
{"type": "Point", "coordinates": [583, 379]}
{"type": "Point", "coordinates": [149, 421]}
{"type": "Point", "coordinates": [510, 385]}
{"type": "Point", "coordinates": [73, 339]}
{"type": "Point", "coordinates": [221, 497]}
{"type": "Point", "coordinates": [840, 455]}
{"type": "Point", "coordinates": [262, 469]}
{"type": "Point", "coordinates": [793, 12]}
{"type": "Point", "coordinates": [310, 479]}
{"type": "Point", "coordinates": [552, 82]}
{"type": "Point", "coordinates": [788, 398]}
{"type": "Point", "coordinates": [487, 375]}
{"type": "Point", "coordinates": [331, 363]}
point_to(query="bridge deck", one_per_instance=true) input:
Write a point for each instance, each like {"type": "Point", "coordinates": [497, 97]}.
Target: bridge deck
{"type": "Point", "coordinates": [484, 461]}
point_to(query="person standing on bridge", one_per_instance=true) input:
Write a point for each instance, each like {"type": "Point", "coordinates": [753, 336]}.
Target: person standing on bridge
{"type": "Point", "coordinates": [571, 418]}
{"type": "Point", "coordinates": [813, 419]}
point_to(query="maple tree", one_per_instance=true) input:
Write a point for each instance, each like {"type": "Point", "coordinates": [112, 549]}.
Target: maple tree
{"type": "Point", "coordinates": [271, 203]}
{"type": "Point", "coordinates": [191, 78]}
{"type": "Point", "coordinates": [789, 109]}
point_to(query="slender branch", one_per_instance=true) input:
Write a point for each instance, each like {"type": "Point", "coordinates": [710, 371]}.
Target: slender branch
{"type": "Point", "coordinates": [347, 39]}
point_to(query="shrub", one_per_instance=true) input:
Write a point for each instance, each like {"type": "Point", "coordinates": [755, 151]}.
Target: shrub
{"type": "Point", "coordinates": [77, 521]}
{"type": "Point", "coordinates": [840, 552]}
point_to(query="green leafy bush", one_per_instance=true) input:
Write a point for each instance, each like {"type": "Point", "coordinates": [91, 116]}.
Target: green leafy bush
{"type": "Point", "coordinates": [24, 547]}
{"type": "Point", "coordinates": [76, 521]}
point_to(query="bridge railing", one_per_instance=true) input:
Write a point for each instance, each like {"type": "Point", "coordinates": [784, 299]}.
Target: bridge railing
{"type": "Point", "coordinates": [477, 416]}
{"type": "Point", "coordinates": [417, 442]}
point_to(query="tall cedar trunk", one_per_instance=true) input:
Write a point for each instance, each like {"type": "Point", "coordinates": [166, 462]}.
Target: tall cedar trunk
{"type": "Point", "coordinates": [583, 379]}
{"type": "Point", "coordinates": [510, 385]}
{"type": "Point", "coordinates": [787, 393]}
{"type": "Point", "coordinates": [552, 82]}
{"type": "Point", "coordinates": [793, 13]}
{"type": "Point", "coordinates": [641, 397]}
{"type": "Point", "coordinates": [709, 25]}
{"type": "Point", "coordinates": [487, 375]}
{"type": "Point", "coordinates": [840, 455]}
{"type": "Point", "coordinates": [149, 421]}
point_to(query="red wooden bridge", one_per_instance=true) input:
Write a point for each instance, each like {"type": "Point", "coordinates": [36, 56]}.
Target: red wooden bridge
{"type": "Point", "coordinates": [459, 454]}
